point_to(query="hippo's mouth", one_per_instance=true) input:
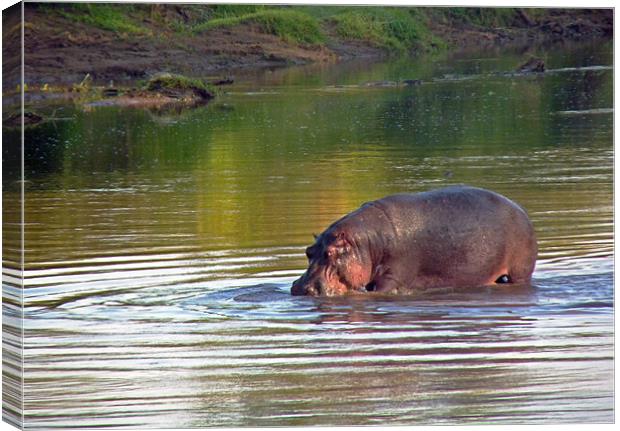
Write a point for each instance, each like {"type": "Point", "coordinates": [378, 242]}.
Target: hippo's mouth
{"type": "Point", "coordinates": [299, 289]}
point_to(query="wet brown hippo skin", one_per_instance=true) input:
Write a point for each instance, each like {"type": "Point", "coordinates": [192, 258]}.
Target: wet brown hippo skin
{"type": "Point", "coordinates": [457, 236]}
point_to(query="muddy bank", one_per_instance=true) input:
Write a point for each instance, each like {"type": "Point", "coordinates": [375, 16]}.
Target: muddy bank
{"type": "Point", "coordinates": [162, 92]}
{"type": "Point", "coordinates": [556, 25]}
{"type": "Point", "coordinates": [61, 52]}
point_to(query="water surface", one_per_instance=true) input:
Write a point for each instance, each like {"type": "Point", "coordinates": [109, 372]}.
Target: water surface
{"type": "Point", "coordinates": [160, 249]}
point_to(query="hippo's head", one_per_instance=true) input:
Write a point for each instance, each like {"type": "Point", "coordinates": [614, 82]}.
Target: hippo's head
{"type": "Point", "coordinates": [336, 266]}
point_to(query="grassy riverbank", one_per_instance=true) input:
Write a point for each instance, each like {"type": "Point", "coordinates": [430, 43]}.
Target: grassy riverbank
{"type": "Point", "coordinates": [394, 28]}
{"type": "Point", "coordinates": [133, 41]}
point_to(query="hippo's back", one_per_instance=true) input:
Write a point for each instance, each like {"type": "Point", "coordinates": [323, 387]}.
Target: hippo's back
{"type": "Point", "coordinates": [449, 204]}
{"type": "Point", "coordinates": [463, 233]}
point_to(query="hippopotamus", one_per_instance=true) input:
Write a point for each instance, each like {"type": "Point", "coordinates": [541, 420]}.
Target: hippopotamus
{"type": "Point", "coordinates": [452, 237]}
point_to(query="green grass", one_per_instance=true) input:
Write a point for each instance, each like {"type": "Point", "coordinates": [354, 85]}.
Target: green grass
{"type": "Point", "coordinates": [393, 28]}
{"type": "Point", "coordinates": [104, 16]}
{"type": "Point", "coordinates": [176, 82]}
{"type": "Point", "coordinates": [397, 29]}
{"type": "Point", "coordinates": [485, 17]}
{"type": "Point", "coordinates": [290, 25]}
{"type": "Point", "coordinates": [234, 10]}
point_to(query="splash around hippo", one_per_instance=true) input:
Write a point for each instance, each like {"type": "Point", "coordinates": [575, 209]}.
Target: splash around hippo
{"type": "Point", "coordinates": [456, 236]}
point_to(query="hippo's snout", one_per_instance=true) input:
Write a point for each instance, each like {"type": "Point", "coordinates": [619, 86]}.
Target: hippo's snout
{"type": "Point", "coordinates": [297, 289]}
{"type": "Point", "coordinates": [301, 287]}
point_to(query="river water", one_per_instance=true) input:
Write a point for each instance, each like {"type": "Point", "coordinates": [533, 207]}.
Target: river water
{"type": "Point", "coordinates": [160, 248]}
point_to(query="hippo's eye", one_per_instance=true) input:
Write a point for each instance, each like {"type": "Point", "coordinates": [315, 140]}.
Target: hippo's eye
{"type": "Point", "coordinates": [332, 252]}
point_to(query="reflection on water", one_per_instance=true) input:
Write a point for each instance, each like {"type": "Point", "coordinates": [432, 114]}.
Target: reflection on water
{"type": "Point", "coordinates": [160, 249]}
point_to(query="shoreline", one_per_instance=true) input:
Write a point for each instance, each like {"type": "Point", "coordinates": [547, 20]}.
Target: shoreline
{"type": "Point", "coordinates": [58, 59]}
{"type": "Point", "coordinates": [136, 94]}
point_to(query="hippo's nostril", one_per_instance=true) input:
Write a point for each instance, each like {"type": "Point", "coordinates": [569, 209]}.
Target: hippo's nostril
{"type": "Point", "coordinates": [300, 288]}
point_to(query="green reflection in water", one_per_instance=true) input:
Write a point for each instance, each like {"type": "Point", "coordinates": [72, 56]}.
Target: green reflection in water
{"type": "Point", "coordinates": [281, 157]}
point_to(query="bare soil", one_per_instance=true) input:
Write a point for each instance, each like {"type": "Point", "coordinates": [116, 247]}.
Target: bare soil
{"type": "Point", "coordinates": [559, 24]}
